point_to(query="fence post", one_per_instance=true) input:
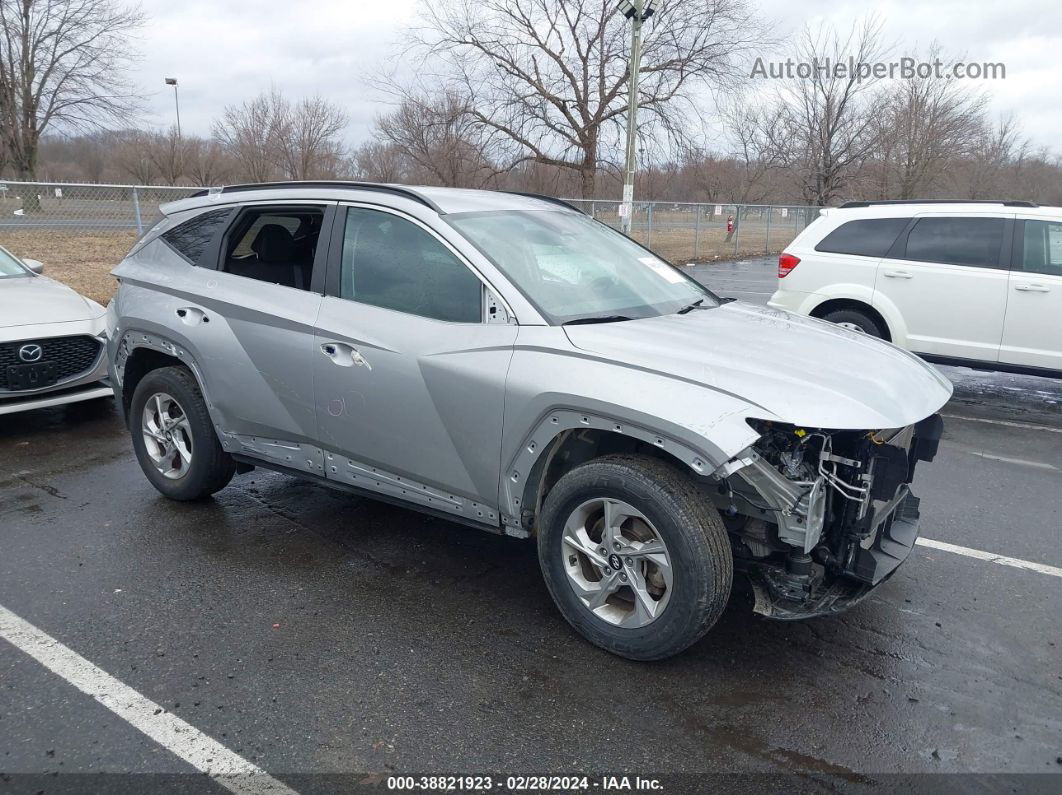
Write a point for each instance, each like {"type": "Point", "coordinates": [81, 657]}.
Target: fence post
{"type": "Point", "coordinates": [649, 233]}
{"type": "Point", "coordinates": [697, 234]}
{"type": "Point", "coordinates": [136, 211]}
{"type": "Point", "coordinates": [737, 227]}
{"type": "Point", "coordinates": [767, 246]}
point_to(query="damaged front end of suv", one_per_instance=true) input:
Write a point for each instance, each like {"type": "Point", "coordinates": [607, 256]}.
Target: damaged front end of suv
{"type": "Point", "coordinates": [819, 517]}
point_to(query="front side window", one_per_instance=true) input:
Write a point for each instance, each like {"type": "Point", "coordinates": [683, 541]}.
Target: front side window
{"type": "Point", "coordinates": [1042, 252]}
{"type": "Point", "coordinates": [275, 245]}
{"type": "Point", "coordinates": [392, 263]}
{"type": "Point", "coordinates": [9, 266]}
{"type": "Point", "coordinates": [574, 269]}
{"type": "Point", "coordinates": [190, 239]}
{"type": "Point", "coordinates": [956, 241]}
{"type": "Point", "coordinates": [869, 237]}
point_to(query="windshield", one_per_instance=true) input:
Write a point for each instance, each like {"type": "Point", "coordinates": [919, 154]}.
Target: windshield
{"type": "Point", "coordinates": [573, 268]}
{"type": "Point", "coordinates": [9, 266]}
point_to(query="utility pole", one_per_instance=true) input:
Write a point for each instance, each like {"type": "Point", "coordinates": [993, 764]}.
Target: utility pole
{"type": "Point", "coordinates": [172, 81]}
{"type": "Point", "coordinates": [637, 11]}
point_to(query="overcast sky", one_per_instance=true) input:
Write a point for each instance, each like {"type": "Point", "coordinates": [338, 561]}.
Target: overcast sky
{"type": "Point", "coordinates": [224, 52]}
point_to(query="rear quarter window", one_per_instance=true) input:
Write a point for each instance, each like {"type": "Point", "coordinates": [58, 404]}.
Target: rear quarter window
{"type": "Point", "coordinates": [868, 237]}
{"type": "Point", "coordinates": [190, 239]}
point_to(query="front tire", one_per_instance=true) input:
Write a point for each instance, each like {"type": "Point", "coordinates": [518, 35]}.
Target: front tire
{"type": "Point", "coordinates": [635, 556]}
{"type": "Point", "coordinates": [174, 438]}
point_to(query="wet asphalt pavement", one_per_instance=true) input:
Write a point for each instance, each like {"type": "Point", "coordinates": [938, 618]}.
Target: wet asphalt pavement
{"type": "Point", "coordinates": [311, 631]}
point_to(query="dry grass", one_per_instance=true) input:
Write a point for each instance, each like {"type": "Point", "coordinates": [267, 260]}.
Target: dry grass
{"type": "Point", "coordinates": [83, 260]}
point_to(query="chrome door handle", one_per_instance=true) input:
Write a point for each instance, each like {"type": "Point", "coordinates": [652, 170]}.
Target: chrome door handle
{"type": "Point", "coordinates": [899, 275]}
{"type": "Point", "coordinates": [1032, 288]}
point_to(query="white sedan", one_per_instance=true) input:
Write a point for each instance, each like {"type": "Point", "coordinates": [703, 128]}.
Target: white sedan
{"type": "Point", "coordinates": [52, 347]}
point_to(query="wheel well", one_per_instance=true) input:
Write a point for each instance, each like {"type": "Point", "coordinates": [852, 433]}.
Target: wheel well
{"type": "Point", "coordinates": [834, 304]}
{"type": "Point", "coordinates": [569, 449]}
{"type": "Point", "coordinates": [141, 362]}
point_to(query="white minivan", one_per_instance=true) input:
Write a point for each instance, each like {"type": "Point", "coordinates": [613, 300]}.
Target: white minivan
{"type": "Point", "coordinates": [969, 283]}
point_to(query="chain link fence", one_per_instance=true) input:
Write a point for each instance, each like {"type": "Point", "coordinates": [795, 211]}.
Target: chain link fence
{"type": "Point", "coordinates": [686, 232]}
{"type": "Point", "coordinates": [82, 231]}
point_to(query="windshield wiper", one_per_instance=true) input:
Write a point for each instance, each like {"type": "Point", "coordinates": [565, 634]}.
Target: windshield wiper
{"type": "Point", "coordinates": [582, 321]}
{"type": "Point", "coordinates": [691, 307]}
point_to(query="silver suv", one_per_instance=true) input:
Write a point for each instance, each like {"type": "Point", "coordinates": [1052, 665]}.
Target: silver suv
{"type": "Point", "coordinates": [506, 362]}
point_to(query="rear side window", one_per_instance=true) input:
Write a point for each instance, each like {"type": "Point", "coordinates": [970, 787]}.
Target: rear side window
{"type": "Point", "coordinates": [191, 238]}
{"type": "Point", "coordinates": [1042, 251]}
{"type": "Point", "coordinates": [870, 237]}
{"type": "Point", "coordinates": [956, 241]}
{"type": "Point", "coordinates": [277, 245]}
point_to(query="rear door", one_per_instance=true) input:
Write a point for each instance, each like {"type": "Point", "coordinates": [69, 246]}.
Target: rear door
{"type": "Point", "coordinates": [947, 278]}
{"type": "Point", "coordinates": [1032, 332]}
{"type": "Point", "coordinates": [250, 316]}
{"type": "Point", "coordinates": [409, 368]}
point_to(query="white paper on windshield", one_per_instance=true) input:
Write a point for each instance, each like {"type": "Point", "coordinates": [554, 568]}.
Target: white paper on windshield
{"type": "Point", "coordinates": [662, 268]}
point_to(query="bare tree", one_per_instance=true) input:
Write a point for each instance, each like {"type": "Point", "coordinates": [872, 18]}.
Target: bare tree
{"type": "Point", "coordinates": [133, 156]}
{"type": "Point", "coordinates": [550, 76]}
{"type": "Point", "coordinates": [438, 134]}
{"type": "Point", "coordinates": [61, 64]}
{"type": "Point", "coordinates": [823, 125]}
{"type": "Point", "coordinates": [206, 162]}
{"type": "Point", "coordinates": [268, 134]}
{"type": "Point", "coordinates": [380, 162]}
{"type": "Point", "coordinates": [926, 123]}
{"type": "Point", "coordinates": [306, 136]}
{"type": "Point", "coordinates": [248, 133]}
{"type": "Point", "coordinates": [168, 153]}
{"type": "Point", "coordinates": [998, 152]}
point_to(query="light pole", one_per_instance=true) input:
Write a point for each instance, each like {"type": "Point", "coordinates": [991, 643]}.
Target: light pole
{"type": "Point", "coordinates": [637, 11]}
{"type": "Point", "coordinates": [172, 81]}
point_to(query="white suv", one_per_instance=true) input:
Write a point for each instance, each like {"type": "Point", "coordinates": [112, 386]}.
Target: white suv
{"type": "Point", "coordinates": [970, 283]}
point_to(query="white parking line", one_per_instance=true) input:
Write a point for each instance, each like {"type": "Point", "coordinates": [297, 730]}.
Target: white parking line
{"type": "Point", "coordinates": [991, 557]}
{"type": "Point", "coordinates": [203, 752]}
{"type": "Point", "coordinates": [1025, 425]}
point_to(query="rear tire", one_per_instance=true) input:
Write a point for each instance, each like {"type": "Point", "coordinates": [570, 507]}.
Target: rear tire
{"type": "Point", "coordinates": [174, 437]}
{"type": "Point", "coordinates": [650, 500]}
{"type": "Point", "coordinates": [856, 320]}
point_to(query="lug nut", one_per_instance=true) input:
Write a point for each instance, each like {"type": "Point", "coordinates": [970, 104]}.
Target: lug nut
{"type": "Point", "coordinates": [623, 577]}
{"type": "Point", "coordinates": [603, 551]}
{"type": "Point", "coordinates": [608, 571]}
{"type": "Point", "coordinates": [616, 545]}
{"type": "Point", "coordinates": [630, 561]}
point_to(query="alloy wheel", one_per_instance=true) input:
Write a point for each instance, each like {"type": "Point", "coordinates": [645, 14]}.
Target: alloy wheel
{"type": "Point", "coordinates": [617, 563]}
{"type": "Point", "coordinates": [167, 435]}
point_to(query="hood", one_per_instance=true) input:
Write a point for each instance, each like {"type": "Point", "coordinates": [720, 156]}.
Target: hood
{"type": "Point", "coordinates": [802, 371]}
{"type": "Point", "coordinates": [31, 300]}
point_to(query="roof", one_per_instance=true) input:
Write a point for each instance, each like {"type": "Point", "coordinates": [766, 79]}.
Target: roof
{"type": "Point", "coordinates": [441, 200]}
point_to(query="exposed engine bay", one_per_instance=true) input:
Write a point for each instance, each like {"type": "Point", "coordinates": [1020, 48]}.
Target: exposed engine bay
{"type": "Point", "coordinates": [818, 517]}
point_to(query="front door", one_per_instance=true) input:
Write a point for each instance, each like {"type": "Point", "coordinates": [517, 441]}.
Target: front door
{"type": "Point", "coordinates": [409, 376]}
{"type": "Point", "coordinates": [1032, 333]}
{"type": "Point", "coordinates": [948, 278]}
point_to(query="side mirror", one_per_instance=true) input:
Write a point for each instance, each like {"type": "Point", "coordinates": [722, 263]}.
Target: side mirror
{"type": "Point", "coordinates": [34, 265]}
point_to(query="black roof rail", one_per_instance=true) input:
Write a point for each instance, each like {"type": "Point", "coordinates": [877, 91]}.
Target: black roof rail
{"type": "Point", "coordinates": [545, 198]}
{"type": "Point", "coordinates": [849, 205]}
{"type": "Point", "coordinates": [395, 190]}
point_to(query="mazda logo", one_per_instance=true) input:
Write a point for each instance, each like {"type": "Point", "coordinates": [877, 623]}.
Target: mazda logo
{"type": "Point", "coordinates": [30, 353]}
